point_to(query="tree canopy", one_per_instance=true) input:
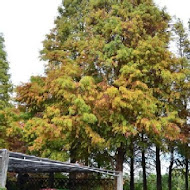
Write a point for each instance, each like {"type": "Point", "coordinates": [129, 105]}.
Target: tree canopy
{"type": "Point", "coordinates": [111, 85]}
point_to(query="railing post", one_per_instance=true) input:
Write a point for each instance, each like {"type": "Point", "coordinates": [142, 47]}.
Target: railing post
{"type": "Point", "coordinates": [4, 161]}
{"type": "Point", "coordinates": [120, 181]}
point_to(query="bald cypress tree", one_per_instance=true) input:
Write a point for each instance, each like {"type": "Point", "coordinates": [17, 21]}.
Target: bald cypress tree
{"type": "Point", "coordinates": [109, 77]}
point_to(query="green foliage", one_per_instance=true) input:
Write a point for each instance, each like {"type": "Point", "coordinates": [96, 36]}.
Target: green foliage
{"type": "Point", "coordinates": [178, 182]}
{"type": "Point", "coordinates": [12, 123]}
{"type": "Point", "coordinates": [5, 86]}
{"type": "Point", "coordinates": [183, 43]}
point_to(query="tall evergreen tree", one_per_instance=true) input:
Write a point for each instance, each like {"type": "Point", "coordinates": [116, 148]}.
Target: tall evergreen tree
{"type": "Point", "coordinates": [5, 89]}
{"type": "Point", "coordinates": [5, 86]}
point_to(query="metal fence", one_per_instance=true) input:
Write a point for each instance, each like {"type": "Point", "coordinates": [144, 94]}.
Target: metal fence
{"type": "Point", "coordinates": [61, 184]}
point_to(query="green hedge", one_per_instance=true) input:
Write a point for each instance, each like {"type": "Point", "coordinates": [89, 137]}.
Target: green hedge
{"type": "Point", "coordinates": [3, 188]}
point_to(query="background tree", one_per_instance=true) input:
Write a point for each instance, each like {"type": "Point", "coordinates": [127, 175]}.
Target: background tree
{"type": "Point", "coordinates": [5, 89]}
{"type": "Point", "coordinates": [5, 86]}
{"type": "Point", "coordinates": [183, 47]}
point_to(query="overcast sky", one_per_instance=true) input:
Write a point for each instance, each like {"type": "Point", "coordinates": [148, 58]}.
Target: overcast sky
{"type": "Point", "coordinates": [24, 24]}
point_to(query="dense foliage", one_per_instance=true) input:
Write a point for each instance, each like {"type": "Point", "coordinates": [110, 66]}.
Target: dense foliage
{"type": "Point", "coordinates": [5, 86]}
{"type": "Point", "coordinates": [5, 89]}
{"type": "Point", "coordinates": [112, 91]}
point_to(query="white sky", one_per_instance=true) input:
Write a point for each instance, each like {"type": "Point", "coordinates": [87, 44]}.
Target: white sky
{"type": "Point", "coordinates": [24, 24]}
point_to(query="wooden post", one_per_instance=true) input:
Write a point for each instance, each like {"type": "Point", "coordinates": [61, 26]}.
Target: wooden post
{"type": "Point", "coordinates": [120, 181]}
{"type": "Point", "coordinates": [4, 161]}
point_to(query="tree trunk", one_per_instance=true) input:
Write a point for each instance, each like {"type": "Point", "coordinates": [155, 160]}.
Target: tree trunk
{"type": "Point", "coordinates": [158, 169]}
{"type": "Point", "coordinates": [132, 182]}
{"type": "Point", "coordinates": [186, 174]}
{"type": "Point", "coordinates": [170, 170]}
{"type": "Point", "coordinates": [143, 163]}
{"type": "Point", "coordinates": [120, 160]}
{"type": "Point", "coordinates": [144, 170]}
